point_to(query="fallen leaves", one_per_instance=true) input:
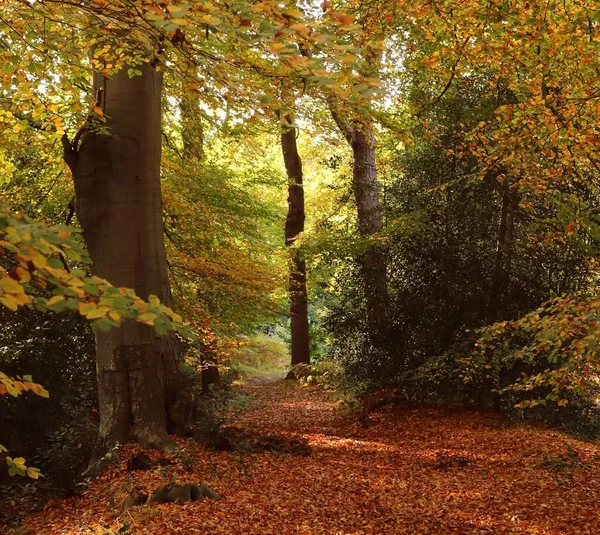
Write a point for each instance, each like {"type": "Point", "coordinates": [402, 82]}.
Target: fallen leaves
{"type": "Point", "coordinates": [411, 471]}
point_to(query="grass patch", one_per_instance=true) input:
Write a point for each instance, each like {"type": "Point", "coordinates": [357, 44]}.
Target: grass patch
{"type": "Point", "coordinates": [260, 355]}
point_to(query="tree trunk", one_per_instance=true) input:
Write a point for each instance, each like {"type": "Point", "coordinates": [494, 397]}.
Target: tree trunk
{"type": "Point", "coordinates": [294, 225]}
{"type": "Point", "coordinates": [504, 252]}
{"type": "Point", "coordinates": [116, 172]}
{"type": "Point", "coordinates": [192, 131]}
{"type": "Point", "coordinates": [192, 134]}
{"type": "Point", "coordinates": [364, 183]}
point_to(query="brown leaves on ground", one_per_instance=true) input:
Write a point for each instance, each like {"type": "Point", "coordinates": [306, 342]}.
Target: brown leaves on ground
{"type": "Point", "coordinates": [411, 471]}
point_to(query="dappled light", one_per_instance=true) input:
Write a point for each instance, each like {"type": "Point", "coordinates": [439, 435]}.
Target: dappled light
{"type": "Point", "coordinates": [443, 472]}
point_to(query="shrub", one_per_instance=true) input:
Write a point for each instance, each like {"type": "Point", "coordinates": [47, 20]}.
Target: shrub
{"type": "Point", "coordinates": [55, 433]}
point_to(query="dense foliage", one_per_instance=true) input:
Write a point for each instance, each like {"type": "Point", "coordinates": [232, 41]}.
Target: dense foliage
{"type": "Point", "coordinates": [55, 433]}
{"type": "Point", "coordinates": [467, 250]}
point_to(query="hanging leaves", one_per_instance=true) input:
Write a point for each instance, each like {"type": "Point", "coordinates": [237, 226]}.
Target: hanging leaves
{"type": "Point", "coordinates": [39, 277]}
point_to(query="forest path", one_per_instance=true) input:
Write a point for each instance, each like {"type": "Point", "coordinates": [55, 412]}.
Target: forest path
{"type": "Point", "coordinates": [265, 379]}
{"type": "Point", "coordinates": [411, 471]}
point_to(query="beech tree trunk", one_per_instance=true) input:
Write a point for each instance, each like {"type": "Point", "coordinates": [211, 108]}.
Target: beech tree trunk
{"type": "Point", "coordinates": [294, 225]}
{"type": "Point", "coordinates": [366, 195]}
{"type": "Point", "coordinates": [116, 172]}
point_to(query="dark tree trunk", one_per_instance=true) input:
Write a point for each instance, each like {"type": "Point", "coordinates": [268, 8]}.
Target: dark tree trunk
{"type": "Point", "coordinates": [364, 183]}
{"type": "Point", "coordinates": [504, 252]}
{"type": "Point", "coordinates": [116, 172]}
{"type": "Point", "coordinates": [294, 225]}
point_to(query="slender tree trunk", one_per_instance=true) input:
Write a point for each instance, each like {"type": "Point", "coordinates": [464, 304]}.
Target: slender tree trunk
{"type": "Point", "coordinates": [504, 252]}
{"type": "Point", "coordinates": [294, 225]}
{"type": "Point", "coordinates": [116, 171]}
{"type": "Point", "coordinates": [192, 134]}
{"type": "Point", "coordinates": [192, 131]}
{"type": "Point", "coordinates": [364, 183]}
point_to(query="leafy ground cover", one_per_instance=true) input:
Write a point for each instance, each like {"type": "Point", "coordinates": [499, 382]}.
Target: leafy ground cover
{"type": "Point", "coordinates": [410, 470]}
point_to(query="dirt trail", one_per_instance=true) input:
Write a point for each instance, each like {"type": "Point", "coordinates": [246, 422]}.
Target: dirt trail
{"type": "Point", "coordinates": [411, 471]}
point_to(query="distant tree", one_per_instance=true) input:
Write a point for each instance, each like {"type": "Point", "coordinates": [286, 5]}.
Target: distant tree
{"type": "Point", "coordinates": [294, 225]}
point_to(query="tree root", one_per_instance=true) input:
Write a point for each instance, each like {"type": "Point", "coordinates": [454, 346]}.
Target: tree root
{"type": "Point", "coordinates": [170, 493]}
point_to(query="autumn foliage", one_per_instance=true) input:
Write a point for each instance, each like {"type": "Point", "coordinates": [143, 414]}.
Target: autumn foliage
{"type": "Point", "coordinates": [450, 174]}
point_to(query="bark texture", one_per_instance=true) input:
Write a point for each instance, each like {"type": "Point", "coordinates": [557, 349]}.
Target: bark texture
{"type": "Point", "coordinates": [362, 141]}
{"type": "Point", "coordinates": [116, 172]}
{"type": "Point", "coordinates": [294, 225]}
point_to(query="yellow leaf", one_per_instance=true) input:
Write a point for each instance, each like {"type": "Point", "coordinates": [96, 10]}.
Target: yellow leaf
{"type": "Point", "coordinates": [85, 308]}
{"type": "Point", "coordinates": [9, 302]}
{"type": "Point", "coordinates": [39, 261]}
{"type": "Point", "coordinates": [113, 315]}
{"type": "Point", "coordinates": [277, 47]}
{"type": "Point", "coordinates": [96, 313]}
{"type": "Point", "coordinates": [147, 318]}
{"type": "Point", "coordinates": [54, 300]}
{"type": "Point", "coordinates": [33, 474]}
{"type": "Point", "coordinates": [10, 286]}
{"type": "Point", "coordinates": [23, 274]}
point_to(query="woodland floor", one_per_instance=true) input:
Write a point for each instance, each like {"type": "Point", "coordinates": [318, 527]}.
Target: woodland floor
{"type": "Point", "coordinates": [410, 471]}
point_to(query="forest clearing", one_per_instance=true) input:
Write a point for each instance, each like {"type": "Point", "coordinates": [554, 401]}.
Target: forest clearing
{"type": "Point", "coordinates": [408, 471]}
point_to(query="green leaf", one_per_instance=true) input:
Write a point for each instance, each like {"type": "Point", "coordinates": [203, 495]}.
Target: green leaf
{"type": "Point", "coordinates": [91, 289]}
{"type": "Point", "coordinates": [103, 325]}
{"type": "Point", "coordinates": [55, 263]}
{"type": "Point", "coordinates": [72, 304]}
{"type": "Point", "coordinates": [73, 254]}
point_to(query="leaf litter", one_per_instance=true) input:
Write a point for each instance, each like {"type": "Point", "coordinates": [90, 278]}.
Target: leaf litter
{"type": "Point", "coordinates": [411, 470]}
